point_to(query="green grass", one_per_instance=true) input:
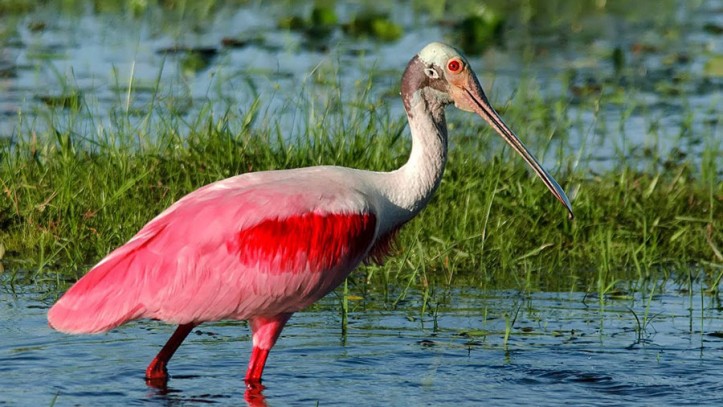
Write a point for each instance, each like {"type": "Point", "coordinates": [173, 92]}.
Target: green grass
{"type": "Point", "coordinates": [73, 194]}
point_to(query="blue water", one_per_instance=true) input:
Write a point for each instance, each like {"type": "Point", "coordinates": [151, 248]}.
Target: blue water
{"type": "Point", "coordinates": [563, 349]}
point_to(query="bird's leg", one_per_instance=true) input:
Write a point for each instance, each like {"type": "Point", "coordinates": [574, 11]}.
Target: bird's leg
{"type": "Point", "coordinates": [256, 365]}
{"type": "Point", "coordinates": [156, 373]}
{"type": "Point", "coordinates": [266, 331]}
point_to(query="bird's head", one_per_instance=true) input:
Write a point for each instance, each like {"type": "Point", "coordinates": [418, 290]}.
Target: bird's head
{"type": "Point", "coordinates": [440, 75]}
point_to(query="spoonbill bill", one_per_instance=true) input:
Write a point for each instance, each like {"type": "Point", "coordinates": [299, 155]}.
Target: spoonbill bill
{"type": "Point", "coordinates": [261, 246]}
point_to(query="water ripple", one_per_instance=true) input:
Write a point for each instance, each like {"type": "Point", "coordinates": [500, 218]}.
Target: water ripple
{"type": "Point", "coordinates": [555, 355]}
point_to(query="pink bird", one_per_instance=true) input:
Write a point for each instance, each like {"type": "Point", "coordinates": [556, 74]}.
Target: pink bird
{"type": "Point", "coordinates": [261, 246]}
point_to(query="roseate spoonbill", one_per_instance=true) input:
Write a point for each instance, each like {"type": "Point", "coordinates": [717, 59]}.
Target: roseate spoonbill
{"type": "Point", "coordinates": [261, 246]}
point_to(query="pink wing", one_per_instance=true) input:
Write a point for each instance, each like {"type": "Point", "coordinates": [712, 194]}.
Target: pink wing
{"type": "Point", "coordinates": [226, 251]}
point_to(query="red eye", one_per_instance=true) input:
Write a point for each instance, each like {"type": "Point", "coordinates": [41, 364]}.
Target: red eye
{"type": "Point", "coordinates": [454, 66]}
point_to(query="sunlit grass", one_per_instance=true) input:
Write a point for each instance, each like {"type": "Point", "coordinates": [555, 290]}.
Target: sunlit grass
{"type": "Point", "coordinates": [73, 194]}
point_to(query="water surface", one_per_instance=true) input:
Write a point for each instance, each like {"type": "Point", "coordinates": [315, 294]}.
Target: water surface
{"type": "Point", "coordinates": [564, 348]}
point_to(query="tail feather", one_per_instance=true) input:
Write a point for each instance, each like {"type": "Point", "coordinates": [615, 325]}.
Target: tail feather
{"type": "Point", "coordinates": [99, 301]}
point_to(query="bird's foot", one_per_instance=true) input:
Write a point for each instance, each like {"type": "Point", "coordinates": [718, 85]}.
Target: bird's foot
{"type": "Point", "coordinates": [254, 385]}
{"type": "Point", "coordinates": [254, 395]}
{"type": "Point", "coordinates": [157, 374]}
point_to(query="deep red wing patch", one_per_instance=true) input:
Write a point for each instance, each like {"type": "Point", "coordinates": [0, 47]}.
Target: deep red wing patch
{"type": "Point", "coordinates": [313, 242]}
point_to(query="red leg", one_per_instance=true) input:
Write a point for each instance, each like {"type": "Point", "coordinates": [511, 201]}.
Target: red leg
{"type": "Point", "coordinates": [256, 365]}
{"type": "Point", "coordinates": [266, 331]}
{"type": "Point", "coordinates": [156, 373]}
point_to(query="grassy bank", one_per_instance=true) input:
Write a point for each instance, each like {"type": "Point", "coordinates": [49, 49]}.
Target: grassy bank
{"type": "Point", "coordinates": [71, 197]}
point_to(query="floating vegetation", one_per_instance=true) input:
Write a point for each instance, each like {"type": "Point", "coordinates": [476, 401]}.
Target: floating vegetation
{"type": "Point", "coordinates": [374, 25]}
{"type": "Point", "coordinates": [476, 33]}
{"type": "Point", "coordinates": [71, 100]}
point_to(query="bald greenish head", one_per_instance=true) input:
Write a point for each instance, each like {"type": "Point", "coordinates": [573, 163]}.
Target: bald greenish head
{"type": "Point", "coordinates": [440, 75]}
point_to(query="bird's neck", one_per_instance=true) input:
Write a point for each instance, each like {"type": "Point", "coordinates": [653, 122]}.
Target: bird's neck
{"type": "Point", "coordinates": [415, 182]}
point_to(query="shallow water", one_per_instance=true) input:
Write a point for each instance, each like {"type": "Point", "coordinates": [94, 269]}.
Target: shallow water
{"type": "Point", "coordinates": [563, 349]}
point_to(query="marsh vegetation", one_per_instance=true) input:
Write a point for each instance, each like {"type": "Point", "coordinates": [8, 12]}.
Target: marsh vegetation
{"type": "Point", "coordinates": [112, 111]}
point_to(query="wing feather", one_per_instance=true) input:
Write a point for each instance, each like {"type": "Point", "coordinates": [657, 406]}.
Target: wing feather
{"type": "Point", "coordinates": [226, 253]}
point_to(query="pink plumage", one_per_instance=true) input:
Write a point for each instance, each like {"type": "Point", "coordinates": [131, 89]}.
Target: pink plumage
{"type": "Point", "coordinates": [262, 246]}
{"type": "Point", "coordinates": [211, 257]}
